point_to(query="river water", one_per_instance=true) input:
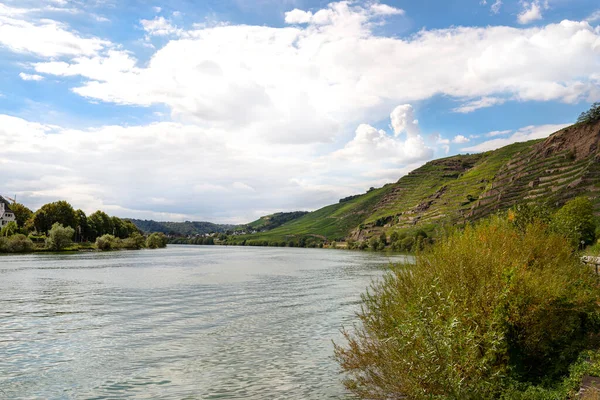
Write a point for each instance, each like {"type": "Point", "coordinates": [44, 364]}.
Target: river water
{"type": "Point", "coordinates": [186, 322]}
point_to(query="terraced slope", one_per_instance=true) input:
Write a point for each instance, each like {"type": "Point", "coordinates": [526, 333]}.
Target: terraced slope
{"type": "Point", "coordinates": [464, 188]}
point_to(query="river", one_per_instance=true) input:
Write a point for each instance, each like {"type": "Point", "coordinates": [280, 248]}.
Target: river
{"type": "Point", "coordinates": [186, 322]}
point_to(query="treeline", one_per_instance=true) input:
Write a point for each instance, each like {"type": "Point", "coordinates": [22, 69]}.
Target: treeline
{"type": "Point", "coordinates": [592, 115]}
{"type": "Point", "coordinates": [58, 226]}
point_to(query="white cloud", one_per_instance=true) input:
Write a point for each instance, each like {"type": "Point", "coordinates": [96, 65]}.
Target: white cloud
{"type": "Point", "coordinates": [522, 135]}
{"type": "Point", "coordinates": [460, 139]}
{"type": "Point", "coordinates": [498, 133]}
{"type": "Point", "coordinates": [532, 11]}
{"type": "Point", "coordinates": [30, 77]}
{"type": "Point", "coordinates": [403, 120]}
{"type": "Point", "coordinates": [496, 6]}
{"type": "Point", "coordinates": [306, 84]}
{"type": "Point", "coordinates": [484, 102]}
{"type": "Point", "coordinates": [297, 16]}
{"type": "Point", "coordinates": [595, 16]}
{"type": "Point", "coordinates": [160, 26]}
{"type": "Point", "coordinates": [157, 9]}
{"type": "Point", "coordinates": [371, 144]}
{"type": "Point", "coordinates": [44, 37]}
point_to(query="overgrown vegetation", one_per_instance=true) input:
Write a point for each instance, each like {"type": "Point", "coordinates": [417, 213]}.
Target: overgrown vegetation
{"type": "Point", "coordinates": [58, 226]}
{"type": "Point", "coordinates": [502, 309]}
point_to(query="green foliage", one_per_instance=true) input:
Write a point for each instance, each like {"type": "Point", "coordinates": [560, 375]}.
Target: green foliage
{"type": "Point", "coordinates": [9, 229]}
{"type": "Point", "coordinates": [156, 240]}
{"type": "Point", "coordinates": [107, 242]}
{"type": "Point", "coordinates": [15, 244]}
{"type": "Point", "coordinates": [135, 242]}
{"type": "Point", "coordinates": [592, 115]}
{"type": "Point", "coordinates": [483, 312]}
{"type": "Point", "coordinates": [59, 212]}
{"type": "Point", "coordinates": [576, 221]}
{"type": "Point", "coordinates": [99, 224]}
{"type": "Point", "coordinates": [59, 237]}
{"type": "Point", "coordinates": [524, 214]}
{"type": "Point", "coordinates": [22, 213]}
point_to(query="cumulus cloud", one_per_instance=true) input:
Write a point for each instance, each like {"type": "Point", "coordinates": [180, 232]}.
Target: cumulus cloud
{"type": "Point", "coordinates": [521, 135]}
{"type": "Point", "coordinates": [403, 120]}
{"type": "Point", "coordinates": [256, 108]}
{"type": "Point", "coordinates": [460, 139]}
{"type": "Point", "coordinates": [532, 11]}
{"type": "Point", "coordinates": [30, 77]}
{"type": "Point", "coordinates": [370, 143]}
{"type": "Point", "coordinates": [342, 73]}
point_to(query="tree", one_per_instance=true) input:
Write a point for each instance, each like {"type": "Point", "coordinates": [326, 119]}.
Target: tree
{"type": "Point", "coordinates": [99, 224]}
{"type": "Point", "coordinates": [9, 229]}
{"type": "Point", "coordinates": [106, 242]}
{"type": "Point", "coordinates": [576, 221]}
{"type": "Point", "coordinates": [156, 240]}
{"type": "Point", "coordinates": [82, 228]}
{"type": "Point", "coordinates": [59, 237]}
{"type": "Point", "coordinates": [22, 213]}
{"type": "Point", "coordinates": [58, 212]}
{"type": "Point", "coordinates": [592, 115]}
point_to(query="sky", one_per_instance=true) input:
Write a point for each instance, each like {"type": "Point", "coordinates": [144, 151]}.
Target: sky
{"type": "Point", "coordinates": [227, 110]}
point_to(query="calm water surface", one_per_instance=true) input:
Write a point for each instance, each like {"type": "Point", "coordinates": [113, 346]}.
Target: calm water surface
{"type": "Point", "coordinates": [186, 322]}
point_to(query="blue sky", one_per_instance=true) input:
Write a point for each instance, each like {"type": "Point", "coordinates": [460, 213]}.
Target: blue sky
{"type": "Point", "coordinates": [229, 110]}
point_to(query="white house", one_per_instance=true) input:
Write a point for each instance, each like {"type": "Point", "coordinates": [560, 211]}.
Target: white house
{"type": "Point", "coordinates": [6, 214]}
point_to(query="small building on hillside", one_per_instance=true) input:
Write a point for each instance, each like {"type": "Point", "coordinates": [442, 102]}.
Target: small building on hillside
{"type": "Point", "coordinates": [6, 214]}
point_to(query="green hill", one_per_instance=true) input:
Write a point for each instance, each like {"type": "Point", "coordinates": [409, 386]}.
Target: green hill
{"type": "Point", "coordinates": [462, 188]}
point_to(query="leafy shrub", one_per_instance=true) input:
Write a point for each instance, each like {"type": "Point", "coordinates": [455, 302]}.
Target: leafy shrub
{"type": "Point", "coordinates": [134, 242]}
{"type": "Point", "coordinates": [157, 240]}
{"type": "Point", "coordinates": [576, 221]}
{"type": "Point", "coordinates": [482, 311]}
{"type": "Point", "coordinates": [15, 244]}
{"type": "Point", "coordinates": [106, 242]}
{"type": "Point", "coordinates": [59, 237]}
{"type": "Point", "coordinates": [9, 229]}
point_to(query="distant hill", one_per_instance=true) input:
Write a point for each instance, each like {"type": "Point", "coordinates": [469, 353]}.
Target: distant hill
{"type": "Point", "coordinates": [186, 228]}
{"type": "Point", "coordinates": [189, 228]}
{"type": "Point", "coordinates": [464, 188]}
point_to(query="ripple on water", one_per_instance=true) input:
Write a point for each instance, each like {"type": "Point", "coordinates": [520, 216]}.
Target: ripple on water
{"type": "Point", "coordinates": [185, 322]}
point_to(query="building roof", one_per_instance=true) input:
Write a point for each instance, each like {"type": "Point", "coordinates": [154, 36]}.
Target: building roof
{"type": "Point", "coordinates": [6, 204]}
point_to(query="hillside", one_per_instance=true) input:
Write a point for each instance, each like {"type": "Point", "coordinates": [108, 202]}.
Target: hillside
{"type": "Point", "coordinates": [463, 188]}
{"type": "Point", "coordinates": [272, 221]}
{"type": "Point", "coordinates": [186, 228]}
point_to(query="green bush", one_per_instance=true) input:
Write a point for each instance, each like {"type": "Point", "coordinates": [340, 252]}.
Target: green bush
{"type": "Point", "coordinates": [15, 244]}
{"type": "Point", "coordinates": [576, 221]}
{"type": "Point", "coordinates": [156, 241]}
{"type": "Point", "coordinates": [9, 229]}
{"type": "Point", "coordinates": [59, 237]}
{"type": "Point", "coordinates": [482, 311]}
{"type": "Point", "coordinates": [106, 243]}
{"type": "Point", "coordinates": [134, 242]}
